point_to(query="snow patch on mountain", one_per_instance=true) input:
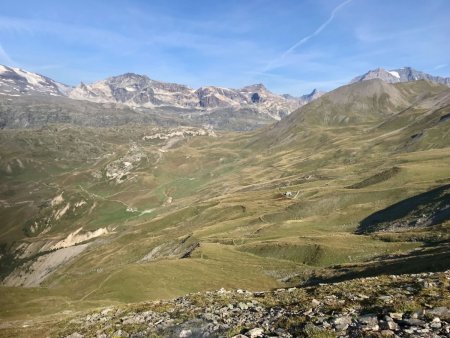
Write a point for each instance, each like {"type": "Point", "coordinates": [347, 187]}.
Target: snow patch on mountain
{"type": "Point", "coordinates": [394, 73]}
{"type": "Point", "coordinates": [16, 81]}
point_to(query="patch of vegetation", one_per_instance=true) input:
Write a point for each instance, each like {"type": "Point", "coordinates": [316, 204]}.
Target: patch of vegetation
{"type": "Point", "coordinates": [377, 178]}
{"type": "Point", "coordinates": [8, 261]}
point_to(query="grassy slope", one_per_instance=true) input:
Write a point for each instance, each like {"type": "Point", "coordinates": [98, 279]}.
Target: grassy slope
{"type": "Point", "coordinates": [227, 192]}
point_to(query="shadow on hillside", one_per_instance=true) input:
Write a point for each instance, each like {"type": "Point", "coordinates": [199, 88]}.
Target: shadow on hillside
{"type": "Point", "coordinates": [377, 178]}
{"type": "Point", "coordinates": [427, 259]}
{"type": "Point", "coordinates": [426, 209]}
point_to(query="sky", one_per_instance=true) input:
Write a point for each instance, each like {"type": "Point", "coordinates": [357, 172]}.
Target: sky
{"type": "Point", "coordinates": [289, 46]}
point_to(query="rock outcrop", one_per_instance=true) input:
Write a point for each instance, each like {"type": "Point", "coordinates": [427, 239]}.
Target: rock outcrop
{"type": "Point", "coordinates": [414, 305]}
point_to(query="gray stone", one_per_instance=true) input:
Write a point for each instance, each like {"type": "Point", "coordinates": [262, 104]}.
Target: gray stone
{"type": "Point", "coordinates": [242, 306]}
{"type": "Point", "coordinates": [370, 322]}
{"type": "Point", "coordinates": [315, 303]}
{"type": "Point", "coordinates": [256, 332]}
{"type": "Point", "coordinates": [342, 323]}
{"type": "Point", "coordinates": [396, 315]}
{"type": "Point", "coordinates": [436, 325]}
{"type": "Point", "coordinates": [342, 320]}
{"type": "Point", "coordinates": [389, 325]}
{"type": "Point", "coordinates": [75, 335]}
{"type": "Point", "coordinates": [413, 322]}
{"type": "Point", "coordinates": [385, 299]}
{"type": "Point", "coordinates": [106, 311]}
{"type": "Point", "coordinates": [442, 312]}
{"type": "Point", "coordinates": [185, 333]}
{"type": "Point", "coordinates": [121, 333]}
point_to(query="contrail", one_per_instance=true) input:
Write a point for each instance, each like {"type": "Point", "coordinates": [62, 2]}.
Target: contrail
{"type": "Point", "coordinates": [306, 38]}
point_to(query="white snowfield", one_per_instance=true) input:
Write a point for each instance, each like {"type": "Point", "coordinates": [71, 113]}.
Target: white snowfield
{"type": "Point", "coordinates": [394, 73]}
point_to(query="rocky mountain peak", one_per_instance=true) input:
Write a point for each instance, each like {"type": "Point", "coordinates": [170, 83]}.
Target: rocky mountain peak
{"type": "Point", "coordinates": [315, 94]}
{"type": "Point", "coordinates": [129, 77]}
{"type": "Point", "coordinates": [82, 85]}
{"type": "Point", "coordinates": [16, 81]}
{"type": "Point", "coordinates": [379, 73]}
{"type": "Point", "coordinates": [404, 74]}
{"type": "Point", "coordinates": [258, 87]}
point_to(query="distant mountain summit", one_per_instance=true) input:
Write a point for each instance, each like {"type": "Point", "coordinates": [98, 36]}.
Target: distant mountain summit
{"type": "Point", "coordinates": [315, 94]}
{"type": "Point", "coordinates": [16, 82]}
{"type": "Point", "coordinates": [140, 91]}
{"type": "Point", "coordinates": [404, 74]}
{"type": "Point", "coordinates": [135, 90]}
{"type": "Point", "coordinates": [246, 108]}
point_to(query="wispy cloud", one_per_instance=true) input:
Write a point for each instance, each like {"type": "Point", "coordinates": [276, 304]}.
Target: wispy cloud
{"type": "Point", "coordinates": [273, 63]}
{"type": "Point", "coordinates": [5, 58]}
{"type": "Point", "coordinates": [374, 33]}
{"type": "Point", "coordinates": [440, 66]}
{"type": "Point", "coordinates": [67, 32]}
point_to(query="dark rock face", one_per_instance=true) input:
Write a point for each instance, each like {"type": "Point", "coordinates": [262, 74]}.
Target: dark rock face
{"type": "Point", "coordinates": [315, 94]}
{"type": "Point", "coordinates": [255, 98]}
{"type": "Point", "coordinates": [426, 209]}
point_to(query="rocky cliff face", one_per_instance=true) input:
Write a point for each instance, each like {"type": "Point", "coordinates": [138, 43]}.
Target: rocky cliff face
{"type": "Point", "coordinates": [404, 74]}
{"type": "Point", "coordinates": [140, 91]}
{"type": "Point", "coordinates": [135, 90]}
{"type": "Point", "coordinates": [213, 97]}
{"type": "Point", "coordinates": [315, 94]}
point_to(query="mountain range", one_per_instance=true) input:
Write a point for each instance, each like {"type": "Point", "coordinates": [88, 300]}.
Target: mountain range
{"type": "Point", "coordinates": [404, 74]}
{"type": "Point", "coordinates": [139, 91]}
{"type": "Point", "coordinates": [31, 99]}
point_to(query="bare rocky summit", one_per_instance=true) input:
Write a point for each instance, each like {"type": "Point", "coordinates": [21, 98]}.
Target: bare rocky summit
{"type": "Point", "coordinates": [140, 91]}
{"type": "Point", "coordinates": [18, 82]}
{"type": "Point", "coordinates": [404, 74]}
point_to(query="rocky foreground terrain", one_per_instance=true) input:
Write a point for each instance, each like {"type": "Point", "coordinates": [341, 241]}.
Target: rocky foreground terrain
{"type": "Point", "coordinates": [414, 305]}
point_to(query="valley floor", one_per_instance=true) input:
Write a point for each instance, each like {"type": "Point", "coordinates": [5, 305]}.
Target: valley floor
{"type": "Point", "coordinates": [355, 184]}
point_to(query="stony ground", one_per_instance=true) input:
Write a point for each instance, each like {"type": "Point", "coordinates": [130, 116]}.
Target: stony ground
{"type": "Point", "coordinates": [415, 305]}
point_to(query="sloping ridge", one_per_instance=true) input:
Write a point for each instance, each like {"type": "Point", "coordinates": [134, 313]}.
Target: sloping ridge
{"type": "Point", "coordinates": [362, 102]}
{"type": "Point", "coordinates": [367, 103]}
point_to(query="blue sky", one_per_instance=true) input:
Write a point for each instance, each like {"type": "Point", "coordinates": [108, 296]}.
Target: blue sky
{"type": "Point", "coordinates": [290, 46]}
